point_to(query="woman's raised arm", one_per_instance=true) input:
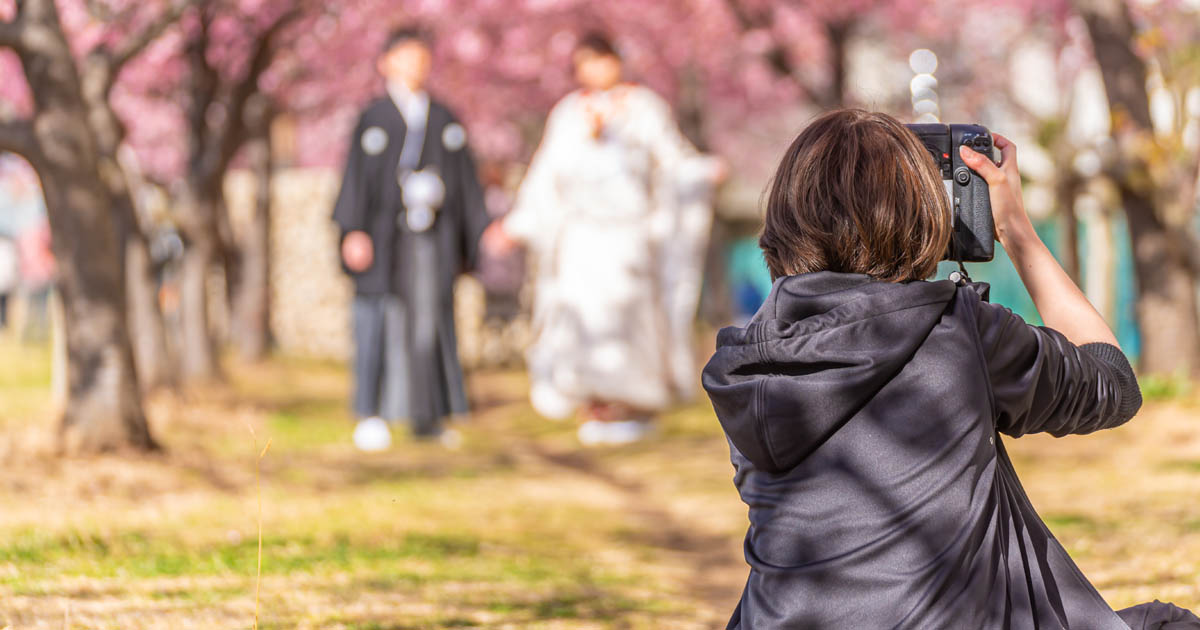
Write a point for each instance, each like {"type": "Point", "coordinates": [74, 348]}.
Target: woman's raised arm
{"type": "Point", "coordinates": [1059, 301]}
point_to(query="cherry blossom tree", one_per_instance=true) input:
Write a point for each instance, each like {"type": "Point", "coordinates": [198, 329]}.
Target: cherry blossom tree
{"type": "Point", "coordinates": [70, 136]}
{"type": "Point", "coordinates": [227, 50]}
{"type": "Point", "coordinates": [193, 92]}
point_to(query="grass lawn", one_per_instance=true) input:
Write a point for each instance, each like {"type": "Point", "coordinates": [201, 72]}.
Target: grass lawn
{"type": "Point", "coordinates": [520, 528]}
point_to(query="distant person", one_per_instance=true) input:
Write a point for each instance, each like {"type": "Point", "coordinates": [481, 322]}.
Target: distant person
{"type": "Point", "coordinates": [22, 209]}
{"type": "Point", "coordinates": [411, 213]}
{"type": "Point", "coordinates": [10, 276]}
{"type": "Point", "coordinates": [615, 209]}
{"type": "Point", "coordinates": [866, 405]}
{"type": "Point", "coordinates": [38, 275]}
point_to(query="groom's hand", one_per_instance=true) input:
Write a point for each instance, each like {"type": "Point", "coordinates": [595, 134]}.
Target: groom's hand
{"type": "Point", "coordinates": [357, 251]}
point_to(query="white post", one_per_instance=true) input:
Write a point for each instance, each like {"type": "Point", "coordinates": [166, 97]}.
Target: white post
{"type": "Point", "coordinates": [923, 86]}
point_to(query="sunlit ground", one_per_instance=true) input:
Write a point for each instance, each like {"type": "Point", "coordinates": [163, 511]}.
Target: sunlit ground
{"type": "Point", "coordinates": [518, 529]}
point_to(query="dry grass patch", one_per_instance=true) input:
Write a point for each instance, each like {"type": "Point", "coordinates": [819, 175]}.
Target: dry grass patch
{"type": "Point", "coordinates": [518, 529]}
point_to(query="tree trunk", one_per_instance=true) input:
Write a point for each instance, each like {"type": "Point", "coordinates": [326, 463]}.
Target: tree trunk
{"type": "Point", "coordinates": [691, 110]}
{"type": "Point", "coordinates": [1066, 191]}
{"type": "Point", "coordinates": [147, 331]}
{"type": "Point", "coordinates": [1100, 271]}
{"type": "Point", "coordinates": [198, 355]}
{"type": "Point", "coordinates": [716, 307]}
{"type": "Point", "coordinates": [1166, 305]}
{"type": "Point", "coordinates": [251, 296]}
{"type": "Point", "coordinates": [103, 409]}
{"type": "Point", "coordinates": [839, 34]}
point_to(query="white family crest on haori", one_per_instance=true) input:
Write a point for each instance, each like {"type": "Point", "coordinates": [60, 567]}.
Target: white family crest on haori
{"type": "Point", "coordinates": [454, 137]}
{"type": "Point", "coordinates": [374, 140]}
{"type": "Point", "coordinates": [616, 207]}
{"type": "Point", "coordinates": [423, 193]}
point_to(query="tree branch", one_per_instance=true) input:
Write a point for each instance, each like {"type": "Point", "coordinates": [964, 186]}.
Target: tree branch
{"type": "Point", "coordinates": [740, 14]}
{"type": "Point", "coordinates": [11, 34]}
{"type": "Point", "coordinates": [97, 9]}
{"type": "Point", "coordinates": [37, 11]}
{"type": "Point", "coordinates": [101, 11]}
{"type": "Point", "coordinates": [776, 54]}
{"type": "Point", "coordinates": [16, 136]}
{"type": "Point", "coordinates": [135, 44]}
{"type": "Point", "coordinates": [247, 87]}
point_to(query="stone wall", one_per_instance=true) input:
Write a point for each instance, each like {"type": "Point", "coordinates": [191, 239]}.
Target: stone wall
{"type": "Point", "coordinates": [310, 296]}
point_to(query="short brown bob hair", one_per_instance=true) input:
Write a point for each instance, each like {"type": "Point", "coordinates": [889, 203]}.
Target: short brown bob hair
{"type": "Point", "coordinates": [857, 192]}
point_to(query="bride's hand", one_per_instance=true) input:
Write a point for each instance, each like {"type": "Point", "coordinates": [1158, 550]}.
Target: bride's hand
{"type": "Point", "coordinates": [720, 171]}
{"type": "Point", "coordinates": [497, 241]}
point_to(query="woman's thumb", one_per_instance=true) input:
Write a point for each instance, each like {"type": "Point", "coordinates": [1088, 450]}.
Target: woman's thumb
{"type": "Point", "coordinates": [982, 165]}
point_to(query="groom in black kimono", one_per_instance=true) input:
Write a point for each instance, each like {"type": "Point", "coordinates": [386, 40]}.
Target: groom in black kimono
{"type": "Point", "coordinates": [411, 214]}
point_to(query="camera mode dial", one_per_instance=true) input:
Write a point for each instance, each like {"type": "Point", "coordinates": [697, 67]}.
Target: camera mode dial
{"type": "Point", "coordinates": [962, 175]}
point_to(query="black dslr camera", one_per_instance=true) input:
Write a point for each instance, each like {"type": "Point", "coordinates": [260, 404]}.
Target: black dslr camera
{"type": "Point", "coordinates": [974, 236]}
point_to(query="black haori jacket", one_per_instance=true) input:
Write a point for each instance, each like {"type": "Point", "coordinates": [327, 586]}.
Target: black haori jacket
{"type": "Point", "coordinates": [371, 200]}
{"type": "Point", "coordinates": [864, 422]}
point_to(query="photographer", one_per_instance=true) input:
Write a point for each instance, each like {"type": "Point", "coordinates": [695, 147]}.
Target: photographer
{"type": "Point", "coordinates": [864, 403]}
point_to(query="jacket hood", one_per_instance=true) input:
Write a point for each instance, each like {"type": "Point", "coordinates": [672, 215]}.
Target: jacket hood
{"type": "Point", "coordinates": [820, 347]}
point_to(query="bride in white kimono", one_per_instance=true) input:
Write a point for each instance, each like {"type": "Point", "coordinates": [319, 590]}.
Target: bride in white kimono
{"type": "Point", "coordinates": [616, 208]}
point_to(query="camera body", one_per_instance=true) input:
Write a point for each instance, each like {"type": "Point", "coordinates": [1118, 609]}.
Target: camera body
{"type": "Point", "coordinates": [974, 234]}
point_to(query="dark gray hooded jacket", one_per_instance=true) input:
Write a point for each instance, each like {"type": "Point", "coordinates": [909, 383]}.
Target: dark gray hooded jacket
{"type": "Point", "coordinates": [864, 422]}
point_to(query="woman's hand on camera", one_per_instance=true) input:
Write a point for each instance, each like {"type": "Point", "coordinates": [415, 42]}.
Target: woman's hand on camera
{"type": "Point", "coordinates": [1004, 188]}
{"type": "Point", "coordinates": [1058, 300]}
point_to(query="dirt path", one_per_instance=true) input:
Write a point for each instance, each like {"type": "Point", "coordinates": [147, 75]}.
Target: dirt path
{"type": "Point", "coordinates": [715, 576]}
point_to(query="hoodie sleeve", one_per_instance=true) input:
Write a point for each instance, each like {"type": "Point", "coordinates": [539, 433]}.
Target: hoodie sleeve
{"type": "Point", "coordinates": [1041, 382]}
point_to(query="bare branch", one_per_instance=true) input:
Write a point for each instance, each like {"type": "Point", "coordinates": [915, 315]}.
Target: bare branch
{"type": "Point", "coordinates": [99, 10]}
{"type": "Point", "coordinates": [214, 140]}
{"type": "Point", "coordinates": [135, 44]}
{"type": "Point", "coordinates": [37, 11]}
{"type": "Point", "coordinates": [741, 15]}
{"type": "Point", "coordinates": [16, 136]}
{"type": "Point", "coordinates": [247, 87]}
{"type": "Point", "coordinates": [11, 34]}
{"type": "Point", "coordinates": [776, 54]}
{"type": "Point", "coordinates": [202, 92]}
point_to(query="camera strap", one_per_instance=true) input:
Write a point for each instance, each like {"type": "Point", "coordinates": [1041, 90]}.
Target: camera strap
{"type": "Point", "coordinates": [962, 279]}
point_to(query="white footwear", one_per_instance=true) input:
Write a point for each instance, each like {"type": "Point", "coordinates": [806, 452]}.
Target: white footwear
{"type": "Point", "coordinates": [450, 439]}
{"type": "Point", "coordinates": [372, 435]}
{"type": "Point", "coordinates": [626, 431]}
{"type": "Point", "coordinates": [592, 433]}
{"type": "Point", "coordinates": [550, 403]}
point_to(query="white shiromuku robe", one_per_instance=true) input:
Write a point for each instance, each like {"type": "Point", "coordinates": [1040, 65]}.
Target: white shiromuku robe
{"type": "Point", "coordinates": [616, 208]}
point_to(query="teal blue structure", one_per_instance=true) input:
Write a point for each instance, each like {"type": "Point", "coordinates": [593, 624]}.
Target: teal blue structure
{"type": "Point", "coordinates": [750, 282]}
{"type": "Point", "coordinates": [749, 279]}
